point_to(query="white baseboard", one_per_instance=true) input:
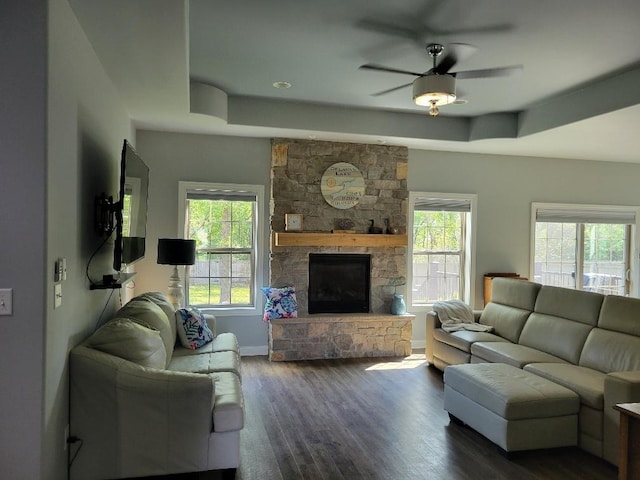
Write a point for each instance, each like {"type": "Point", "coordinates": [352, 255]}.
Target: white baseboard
{"type": "Point", "coordinates": [254, 351]}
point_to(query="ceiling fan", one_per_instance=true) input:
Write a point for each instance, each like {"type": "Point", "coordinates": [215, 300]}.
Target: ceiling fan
{"type": "Point", "coordinates": [437, 86]}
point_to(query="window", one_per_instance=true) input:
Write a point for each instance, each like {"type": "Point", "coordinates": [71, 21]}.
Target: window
{"type": "Point", "coordinates": [442, 232]}
{"type": "Point", "coordinates": [586, 247]}
{"type": "Point", "coordinates": [224, 222]}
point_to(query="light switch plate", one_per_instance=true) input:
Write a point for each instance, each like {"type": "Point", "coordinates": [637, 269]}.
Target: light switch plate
{"type": "Point", "coordinates": [6, 301]}
{"type": "Point", "coordinates": [57, 295]}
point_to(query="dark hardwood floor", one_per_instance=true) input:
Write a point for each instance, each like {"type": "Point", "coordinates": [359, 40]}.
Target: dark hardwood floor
{"type": "Point", "coordinates": [373, 419]}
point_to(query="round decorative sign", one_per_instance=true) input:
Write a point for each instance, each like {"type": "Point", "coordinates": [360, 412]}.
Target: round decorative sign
{"type": "Point", "coordinates": [342, 185]}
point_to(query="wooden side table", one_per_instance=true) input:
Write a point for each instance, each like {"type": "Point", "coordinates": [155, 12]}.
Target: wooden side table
{"type": "Point", "coordinates": [629, 459]}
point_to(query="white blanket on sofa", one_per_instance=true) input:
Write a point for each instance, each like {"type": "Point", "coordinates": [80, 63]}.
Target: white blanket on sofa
{"type": "Point", "coordinates": [456, 315]}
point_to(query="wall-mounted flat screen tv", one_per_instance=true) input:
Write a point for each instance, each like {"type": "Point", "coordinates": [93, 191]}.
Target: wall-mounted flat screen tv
{"type": "Point", "coordinates": [131, 209]}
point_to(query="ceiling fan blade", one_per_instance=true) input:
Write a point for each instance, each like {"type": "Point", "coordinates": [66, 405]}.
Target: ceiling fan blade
{"type": "Point", "coordinates": [454, 53]}
{"type": "Point", "coordinates": [380, 68]}
{"type": "Point", "coordinates": [387, 29]}
{"type": "Point", "coordinates": [421, 32]}
{"type": "Point", "coordinates": [498, 28]}
{"type": "Point", "coordinates": [384, 92]}
{"type": "Point", "coordinates": [490, 72]}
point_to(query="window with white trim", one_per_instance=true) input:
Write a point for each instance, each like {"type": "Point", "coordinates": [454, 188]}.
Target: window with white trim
{"type": "Point", "coordinates": [442, 232]}
{"type": "Point", "coordinates": [585, 247]}
{"type": "Point", "coordinates": [224, 220]}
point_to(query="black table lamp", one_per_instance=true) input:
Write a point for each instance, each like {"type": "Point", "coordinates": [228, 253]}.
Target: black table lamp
{"type": "Point", "coordinates": [176, 251]}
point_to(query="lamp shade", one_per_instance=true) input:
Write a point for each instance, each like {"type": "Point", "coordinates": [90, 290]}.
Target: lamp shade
{"type": "Point", "coordinates": [434, 90]}
{"type": "Point", "coordinates": [176, 251]}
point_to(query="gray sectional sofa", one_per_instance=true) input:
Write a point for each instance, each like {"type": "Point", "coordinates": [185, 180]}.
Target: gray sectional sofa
{"type": "Point", "coordinates": [141, 404]}
{"type": "Point", "coordinates": [584, 341]}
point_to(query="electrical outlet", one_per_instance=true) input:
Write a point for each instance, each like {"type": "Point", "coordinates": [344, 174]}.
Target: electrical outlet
{"type": "Point", "coordinates": [6, 301]}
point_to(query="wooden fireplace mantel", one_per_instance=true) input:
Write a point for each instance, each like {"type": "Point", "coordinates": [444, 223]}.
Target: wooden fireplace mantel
{"type": "Point", "coordinates": [304, 239]}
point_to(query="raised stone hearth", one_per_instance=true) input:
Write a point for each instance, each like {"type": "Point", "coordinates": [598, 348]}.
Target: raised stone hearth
{"type": "Point", "coordinates": [340, 336]}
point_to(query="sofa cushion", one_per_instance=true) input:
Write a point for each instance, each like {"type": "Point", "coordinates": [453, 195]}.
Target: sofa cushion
{"type": "Point", "coordinates": [516, 293]}
{"type": "Point", "coordinates": [507, 321]}
{"type": "Point", "coordinates": [148, 313]}
{"type": "Point", "coordinates": [444, 355]}
{"type": "Point", "coordinates": [192, 327]}
{"type": "Point", "coordinates": [160, 299]}
{"type": "Point", "coordinates": [576, 305]}
{"type": "Point", "coordinates": [509, 392]}
{"type": "Point", "coordinates": [511, 354]}
{"type": "Point", "coordinates": [131, 341]}
{"type": "Point", "coordinates": [554, 335]}
{"type": "Point", "coordinates": [207, 363]}
{"type": "Point", "coordinates": [609, 351]}
{"type": "Point", "coordinates": [225, 342]}
{"type": "Point", "coordinates": [620, 314]}
{"type": "Point", "coordinates": [463, 339]}
{"type": "Point", "coordinates": [586, 382]}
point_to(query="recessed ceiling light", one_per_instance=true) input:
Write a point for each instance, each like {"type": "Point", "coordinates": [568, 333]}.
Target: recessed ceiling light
{"type": "Point", "coordinates": [282, 84]}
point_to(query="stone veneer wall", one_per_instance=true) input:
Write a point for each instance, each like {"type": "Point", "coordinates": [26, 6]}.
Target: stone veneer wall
{"type": "Point", "coordinates": [297, 167]}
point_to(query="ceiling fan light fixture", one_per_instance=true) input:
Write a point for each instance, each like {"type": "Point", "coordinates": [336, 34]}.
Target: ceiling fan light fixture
{"type": "Point", "coordinates": [433, 109]}
{"type": "Point", "coordinates": [434, 90]}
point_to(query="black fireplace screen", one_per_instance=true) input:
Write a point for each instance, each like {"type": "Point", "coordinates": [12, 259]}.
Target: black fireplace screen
{"type": "Point", "coordinates": [339, 283]}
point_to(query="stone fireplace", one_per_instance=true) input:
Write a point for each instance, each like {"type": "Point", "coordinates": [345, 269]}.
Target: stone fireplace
{"type": "Point", "coordinates": [339, 282]}
{"type": "Point", "coordinates": [297, 167]}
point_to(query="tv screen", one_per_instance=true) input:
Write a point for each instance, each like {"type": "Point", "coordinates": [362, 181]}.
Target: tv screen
{"type": "Point", "coordinates": [131, 210]}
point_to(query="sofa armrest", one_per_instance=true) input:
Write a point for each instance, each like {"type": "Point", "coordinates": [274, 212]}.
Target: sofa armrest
{"type": "Point", "coordinates": [165, 402]}
{"type": "Point", "coordinates": [211, 322]}
{"type": "Point", "coordinates": [622, 387]}
{"type": "Point", "coordinates": [138, 420]}
{"type": "Point", "coordinates": [619, 387]}
{"type": "Point", "coordinates": [433, 323]}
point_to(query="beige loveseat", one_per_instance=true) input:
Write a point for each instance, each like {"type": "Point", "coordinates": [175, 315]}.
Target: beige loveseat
{"type": "Point", "coordinates": [584, 341]}
{"type": "Point", "coordinates": [141, 404]}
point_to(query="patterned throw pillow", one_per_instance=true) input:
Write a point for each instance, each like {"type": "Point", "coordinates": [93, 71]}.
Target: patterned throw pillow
{"type": "Point", "coordinates": [281, 303]}
{"type": "Point", "coordinates": [192, 327]}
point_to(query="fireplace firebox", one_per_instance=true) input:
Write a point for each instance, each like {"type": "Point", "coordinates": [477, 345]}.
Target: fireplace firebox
{"type": "Point", "coordinates": [339, 282]}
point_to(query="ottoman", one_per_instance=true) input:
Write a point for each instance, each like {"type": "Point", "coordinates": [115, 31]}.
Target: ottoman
{"type": "Point", "coordinates": [516, 410]}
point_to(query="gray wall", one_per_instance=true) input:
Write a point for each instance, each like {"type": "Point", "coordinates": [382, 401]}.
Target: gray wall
{"type": "Point", "coordinates": [172, 157]}
{"type": "Point", "coordinates": [22, 216]}
{"type": "Point", "coordinates": [506, 187]}
{"type": "Point", "coordinates": [87, 123]}
{"type": "Point", "coordinates": [61, 129]}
